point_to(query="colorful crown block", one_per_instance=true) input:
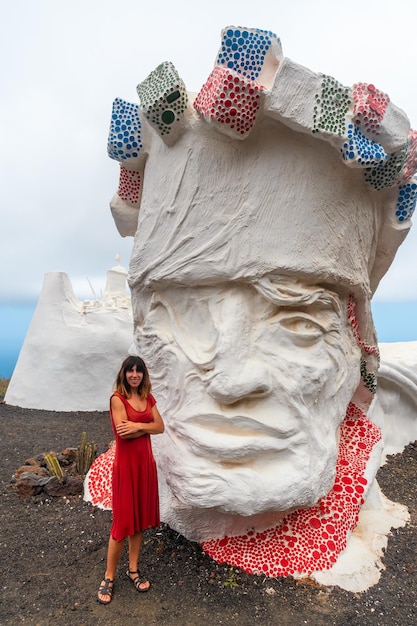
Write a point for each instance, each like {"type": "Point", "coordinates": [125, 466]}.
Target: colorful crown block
{"type": "Point", "coordinates": [230, 101]}
{"type": "Point", "coordinates": [130, 186]}
{"type": "Point", "coordinates": [388, 173]}
{"type": "Point", "coordinates": [254, 53]}
{"type": "Point", "coordinates": [330, 112]}
{"type": "Point", "coordinates": [407, 199]}
{"type": "Point", "coordinates": [410, 163]}
{"type": "Point", "coordinates": [399, 168]}
{"type": "Point", "coordinates": [378, 118]}
{"type": "Point", "coordinates": [309, 102]}
{"type": "Point", "coordinates": [370, 107]}
{"type": "Point", "coordinates": [124, 142]}
{"type": "Point", "coordinates": [163, 100]}
{"type": "Point", "coordinates": [361, 151]}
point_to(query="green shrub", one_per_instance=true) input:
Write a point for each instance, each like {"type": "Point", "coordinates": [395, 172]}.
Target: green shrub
{"type": "Point", "coordinates": [86, 453]}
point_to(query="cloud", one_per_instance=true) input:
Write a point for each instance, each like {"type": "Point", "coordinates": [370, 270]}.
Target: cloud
{"type": "Point", "coordinates": [66, 62]}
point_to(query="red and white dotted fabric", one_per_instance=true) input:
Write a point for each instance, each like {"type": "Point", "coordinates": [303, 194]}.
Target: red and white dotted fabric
{"type": "Point", "coordinates": [368, 349]}
{"type": "Point", "coordinates": [98, 481]}
{"type": "Point", "coordinates": [310, 540]}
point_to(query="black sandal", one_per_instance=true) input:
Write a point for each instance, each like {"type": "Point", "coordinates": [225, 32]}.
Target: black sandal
{"type": "Point", "coordinates": [136, 581]}
{"type": "Point", "coordinates": [106, 590]}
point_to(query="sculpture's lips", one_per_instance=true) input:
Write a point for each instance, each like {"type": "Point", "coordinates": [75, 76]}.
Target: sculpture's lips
{"type": "Point", "coordinates": [235, 437]}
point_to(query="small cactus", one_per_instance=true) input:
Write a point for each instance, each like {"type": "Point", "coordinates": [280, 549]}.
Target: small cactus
{"type": "Point", "coordinates": [85, 455]}
{"type": "Point", "coordinates": [54, 466]}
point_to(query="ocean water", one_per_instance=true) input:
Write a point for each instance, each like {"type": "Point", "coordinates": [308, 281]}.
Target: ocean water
{"type": "Point", "coordinates": [15, 320]}
{"type": "Point", "coordinates": [394, 321]}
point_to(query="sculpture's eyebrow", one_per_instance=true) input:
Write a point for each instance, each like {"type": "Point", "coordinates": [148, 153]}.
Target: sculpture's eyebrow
{"type": "Point", "coordinates": [285, 291]}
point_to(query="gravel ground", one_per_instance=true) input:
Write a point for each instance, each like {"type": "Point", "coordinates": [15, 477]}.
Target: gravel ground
{"type": "Point", "coordinates": [53, 550]}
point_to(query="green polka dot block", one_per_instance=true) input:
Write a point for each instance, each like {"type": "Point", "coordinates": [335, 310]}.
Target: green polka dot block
{"type": "Point", "coordinates": [163, 100]}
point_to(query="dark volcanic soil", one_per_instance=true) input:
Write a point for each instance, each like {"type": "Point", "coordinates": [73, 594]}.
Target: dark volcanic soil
{"type": "Point", "coordinates": [53, 555]}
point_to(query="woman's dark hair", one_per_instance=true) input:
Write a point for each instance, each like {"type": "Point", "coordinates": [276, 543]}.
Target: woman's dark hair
{"type": "Point", "coordinates": [122, 386]}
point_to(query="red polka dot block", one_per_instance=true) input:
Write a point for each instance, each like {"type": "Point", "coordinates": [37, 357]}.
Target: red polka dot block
{"type": "Point", "coordinates": [370, 107]}
{"type": "Point", "coordinates": [230, 101]}
{"type": "Point", "coordinates": [130, 188]}
{"type": "Point", "coordinates": [410, 164]}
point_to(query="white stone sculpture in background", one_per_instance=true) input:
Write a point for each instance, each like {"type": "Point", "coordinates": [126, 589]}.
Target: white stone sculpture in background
{"type": "Point", "coordinates": [68, 359]}
{"type": "Point", "coordinates": [274, 202]}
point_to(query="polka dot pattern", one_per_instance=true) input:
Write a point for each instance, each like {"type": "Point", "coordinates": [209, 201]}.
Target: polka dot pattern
{"type": "Point", "coordinates": [331, 108]}
{"type": "Point", "coordinates": [310, 540]}
{"type": "Point", "coordinates": [362, 150]}
{"type": "Point", "coordinates": [369, 378]}
{"type": "Point", "coordinates": [163, 98]}
{"type": "Point", "coordinates": [129, 185]}
{"type": "Point", "coordinates": [370, 105]}
{"type": "Point", "coordinates": [386, 174]}
{"type": "Point", "coordinates": [355, 327]}
{"type": "Point", "coordinates": [97, 483]}
{"type": "Point", "coordinates": [243, 50]}
{"type": "Point", "coordinates": [229, 99]}
{"type": "Point", "coordinates": [124, 140]}
{"type": "Point", "coordinates": [410, 163]}
{"type": "Point", "coordinates": [406, 202]}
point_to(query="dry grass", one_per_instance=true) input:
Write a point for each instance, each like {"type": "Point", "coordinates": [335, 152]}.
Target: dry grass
{"type": "Point", "coordinates": [3, 385]}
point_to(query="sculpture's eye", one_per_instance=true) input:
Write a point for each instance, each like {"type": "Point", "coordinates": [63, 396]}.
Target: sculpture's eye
{"type": "Point", "coordinates": [301, 324]}
{"type": "Point", "coordinates": [304, 327]}
{"type": "Point", "coordinates": [186, 323]}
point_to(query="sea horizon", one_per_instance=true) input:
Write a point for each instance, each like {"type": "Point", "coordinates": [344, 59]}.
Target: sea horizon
{"type": "Point", "coordinates": [394, 321]}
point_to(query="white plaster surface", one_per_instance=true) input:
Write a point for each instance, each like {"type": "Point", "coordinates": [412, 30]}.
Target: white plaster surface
{"type": "Point", "coordinates": [244, 258]}
{"type": "Point", "coordinates": [72, 350]}
{"type": "Point", "coordinates": [395, 406]}
{"type": "Point", "coordinates": [246, 380]}
{"type": "Point", "coordinates": [125, 216]}
{"type": "Point", "coordinates": [243, 261]}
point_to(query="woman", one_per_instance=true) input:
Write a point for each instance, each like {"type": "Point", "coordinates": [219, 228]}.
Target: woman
{"type": "Point", "coordinates": [134, 418]}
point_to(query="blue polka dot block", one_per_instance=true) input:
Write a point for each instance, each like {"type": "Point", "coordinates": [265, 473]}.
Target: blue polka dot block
{"type": "Point", "coordinates": [254, 53]}
{"type": "Point", "coordinates": [406, 201]}
{"type": "Point", "coordinates": [124, 142]}
{"type": "Point", "coordinates": [163, 100]}
{"type": "Point", "coordinates": [360, 151]}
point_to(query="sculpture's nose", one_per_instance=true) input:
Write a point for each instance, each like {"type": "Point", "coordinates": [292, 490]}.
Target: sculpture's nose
{"type": "Point", "coordinates": [240, 381]}
{"type": "Point", "coordinates": [238, 372]}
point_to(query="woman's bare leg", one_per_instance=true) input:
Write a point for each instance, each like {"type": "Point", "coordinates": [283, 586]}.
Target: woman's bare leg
{"type": "Point", "coordinates": [135, 544]}
{"type": "Point", "coordinates": [114, 551]}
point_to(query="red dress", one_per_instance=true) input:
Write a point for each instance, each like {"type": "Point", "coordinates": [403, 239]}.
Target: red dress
{"type": "Point", "coordinates": [135, 481]}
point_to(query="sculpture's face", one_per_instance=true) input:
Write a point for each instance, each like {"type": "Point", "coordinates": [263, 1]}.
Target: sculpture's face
{"type": "Point", "coordinates": [253, 381]}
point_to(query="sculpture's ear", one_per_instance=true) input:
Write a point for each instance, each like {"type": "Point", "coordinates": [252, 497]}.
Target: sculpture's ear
{"type": "Point", "coordinates": [394, 408]}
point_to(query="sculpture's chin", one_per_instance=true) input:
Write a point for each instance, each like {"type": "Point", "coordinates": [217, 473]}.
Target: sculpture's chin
{"type": "Point", "coordinates": [230, 500]}
{"type": "Point", "coordinates": [202, 524]}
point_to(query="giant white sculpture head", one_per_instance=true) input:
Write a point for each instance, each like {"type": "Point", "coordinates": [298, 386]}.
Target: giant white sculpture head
{"type": "Point", "coordinates": [263, 209]}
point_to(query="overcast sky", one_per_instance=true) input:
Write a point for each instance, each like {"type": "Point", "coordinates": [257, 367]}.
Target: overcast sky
{"type": "Point", "coordinates": [63, 63]}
